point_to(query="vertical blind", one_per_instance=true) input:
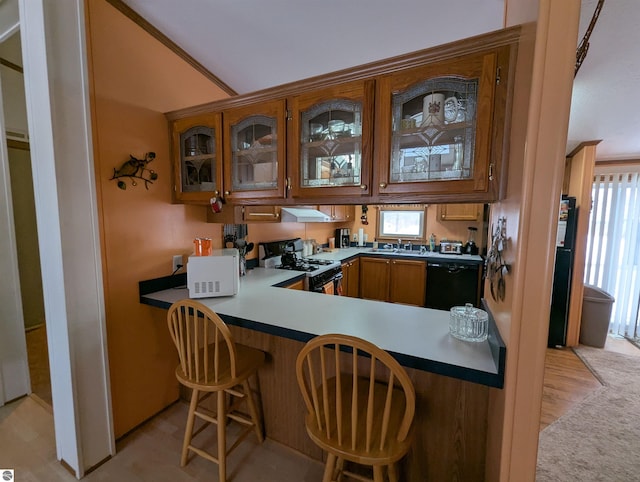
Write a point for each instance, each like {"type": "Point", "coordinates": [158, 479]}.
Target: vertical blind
{"type": "Point", "coordinates": [613, 246]}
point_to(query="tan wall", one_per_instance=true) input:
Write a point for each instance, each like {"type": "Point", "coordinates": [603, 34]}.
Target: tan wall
{"type": "Point", "coordinates": [136, 79]}
{"type": "Point", "coordinates": [542, 99]}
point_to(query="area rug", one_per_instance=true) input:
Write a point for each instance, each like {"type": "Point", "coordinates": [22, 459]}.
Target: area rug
{"type": "Point", "coordinates": [599, 439]}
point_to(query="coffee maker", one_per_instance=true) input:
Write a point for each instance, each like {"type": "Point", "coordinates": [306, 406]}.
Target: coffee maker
{"type": "Point", "coordinates": [343, 239]}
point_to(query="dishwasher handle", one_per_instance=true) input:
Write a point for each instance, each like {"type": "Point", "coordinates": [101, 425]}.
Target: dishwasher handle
{"type": "Point", "coordinates": [451, 267]}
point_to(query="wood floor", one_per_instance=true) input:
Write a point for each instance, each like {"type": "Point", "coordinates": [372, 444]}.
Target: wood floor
{"type": "Point", "coordinates": [567, 380]}
{"type": "Point", "coordinates": [151, 452]}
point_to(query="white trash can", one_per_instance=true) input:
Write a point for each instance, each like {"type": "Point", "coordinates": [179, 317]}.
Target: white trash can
{"type": "Point", "coordinates": [596, 314]}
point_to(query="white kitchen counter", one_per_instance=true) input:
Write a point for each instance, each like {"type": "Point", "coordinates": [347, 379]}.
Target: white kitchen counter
{"type": "Point", "coordinates": [417, 337]}
{"type": "Point", "coordinates": [346, 253]}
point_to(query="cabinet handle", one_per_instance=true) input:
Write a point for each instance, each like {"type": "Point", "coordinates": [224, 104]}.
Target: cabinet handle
{"type": "Point", "coordinates": [216, 193]}
{"type": "Point", "coordinates": [491, 172]}
{"type": "Point", "coordinates": [363, 186]}
{"type": "Point", "coordinates": [288, 184]}
{"type": "Point", "coordinates": [383, 185]}
{"type": "Point", "coordinates": [271, 215]}
{"type": "Point", "coordinates": [226, 193]}
{"type": "Point", "coordinates": [387, 262]}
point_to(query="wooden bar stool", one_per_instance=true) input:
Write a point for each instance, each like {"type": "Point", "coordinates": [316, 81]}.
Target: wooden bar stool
{"type": "Point", "coordinates": [358, 409]}
{"type": "Point", "coordinates": [211, 362]}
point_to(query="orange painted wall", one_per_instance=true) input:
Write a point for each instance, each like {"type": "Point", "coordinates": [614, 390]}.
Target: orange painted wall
{"type": "Point", "coordinates": [134, 80]}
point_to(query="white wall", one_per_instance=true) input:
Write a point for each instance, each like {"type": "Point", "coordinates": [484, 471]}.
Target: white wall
{"type": "Point", "coordinates": [56, 81]}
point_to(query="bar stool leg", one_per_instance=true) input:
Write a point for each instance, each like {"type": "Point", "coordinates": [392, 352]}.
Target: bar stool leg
{"type": "Point", "coordinates": [222, 427]}
{"type": "Point", "coordinates": [253, 411]}
{"type": "Point", "coordinates": [393, 474]}
{"type": "Point", "coordinates": [329, 468]}
{"type": "Point", "coordinates": [377, 474]}
{"type": "Point", "coordinates": [188, 431]}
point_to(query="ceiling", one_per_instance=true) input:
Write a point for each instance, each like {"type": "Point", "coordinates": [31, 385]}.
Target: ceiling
{"type": "Point", "coordinates": [250, 46]}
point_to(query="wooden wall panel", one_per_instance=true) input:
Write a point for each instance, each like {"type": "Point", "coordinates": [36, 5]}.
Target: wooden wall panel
{"type": "Point", "coordinates": [450, 425]}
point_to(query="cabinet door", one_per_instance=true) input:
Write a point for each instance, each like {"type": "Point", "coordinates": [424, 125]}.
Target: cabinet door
{"type": "Point", "coordinates": [254, 151]}
{"type": "Point", "coordinates": [374, 278]}
{"type": "Point", "coordinates": [435, 128]}
{"type": "Point", "coordinates": [197, 154]}
{"type": "Point", "coordinates": [351, 278]}
{"type": "Point", "coordinates": [296, 285]}
{"type": "Point", "coordinates": [329, 141]}
{"type": "Point", "coordinates": [407, 282]}
{"type": "Point", "coordinates": [459, 212]}
{"type": "Point", "coordinates": [338, 212]}
{"type": "Point", "coordinates": [261, 214]}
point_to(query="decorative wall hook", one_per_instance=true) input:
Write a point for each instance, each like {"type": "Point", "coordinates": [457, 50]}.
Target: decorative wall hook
{"type": "Point", "coordinates": [136, 169]}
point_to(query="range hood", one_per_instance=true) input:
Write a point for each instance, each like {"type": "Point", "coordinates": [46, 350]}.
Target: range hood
{"type": "Point", "coordinates": [303, 215]}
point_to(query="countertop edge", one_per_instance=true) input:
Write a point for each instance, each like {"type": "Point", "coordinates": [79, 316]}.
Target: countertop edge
{"type": "Point", "coordinates": [496, 344]}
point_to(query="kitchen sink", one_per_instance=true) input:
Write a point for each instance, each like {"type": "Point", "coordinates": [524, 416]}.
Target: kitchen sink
{"type": "Point", "coordinates": [402, 252]}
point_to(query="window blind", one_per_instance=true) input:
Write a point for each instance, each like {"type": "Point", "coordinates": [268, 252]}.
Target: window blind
{"type": "Point", "coordinates": [613, 251]}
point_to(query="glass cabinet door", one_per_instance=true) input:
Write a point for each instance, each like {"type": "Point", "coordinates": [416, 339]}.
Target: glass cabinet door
{"type": "Point", "coordinates": [330, 144]}
{"type": "Point", "coordinates": [435, 129]}
{"type": "Point", "coordinates": [197, 153]}
{"type": "Point", "coordinates": [254, 152]}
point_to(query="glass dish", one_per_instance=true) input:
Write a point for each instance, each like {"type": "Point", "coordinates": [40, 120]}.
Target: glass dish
{"type": "Point", "coordinates": [468, 323]}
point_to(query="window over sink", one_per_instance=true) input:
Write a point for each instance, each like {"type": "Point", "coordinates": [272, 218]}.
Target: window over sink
{"type": "Point", "coordinates": [406, 222]}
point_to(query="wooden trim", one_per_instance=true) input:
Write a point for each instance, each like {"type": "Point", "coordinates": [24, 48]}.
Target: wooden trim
{"type": "Point", "coordinates": [480, 43]}
{"type": "Point", "coordinates": [18, 145]}
{"type": "Point", "coordinates": [580, 146]}
{"type": "Point", "coordinates": [11, 65]}
{"type": "Point", "coordinates": [167, 42]}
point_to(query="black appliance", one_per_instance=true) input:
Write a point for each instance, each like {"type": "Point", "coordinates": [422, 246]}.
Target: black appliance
{"type": "Point", "coordinates": [452, 283]}
{"type": "Point", "coordinates": [318, 282]}
{"type": "Point", "coordinates": [563, 272]}
{"type": "Point", "coordinates": [342, 238]}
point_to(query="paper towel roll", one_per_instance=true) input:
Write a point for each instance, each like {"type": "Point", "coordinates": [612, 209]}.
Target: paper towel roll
{"type": "Point", "coordinates": [360, 237]}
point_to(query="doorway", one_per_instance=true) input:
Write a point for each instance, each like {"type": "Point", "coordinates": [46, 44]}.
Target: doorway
{"type": "Point", "coordinates": [24, 216]}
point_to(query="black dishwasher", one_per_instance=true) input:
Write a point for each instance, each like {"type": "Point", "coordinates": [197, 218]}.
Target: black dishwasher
{"type": "Point", "coordinates": [452, 283]}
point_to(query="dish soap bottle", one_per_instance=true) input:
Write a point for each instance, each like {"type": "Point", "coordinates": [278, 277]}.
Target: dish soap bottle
{"type": "Point", "coordinates": [432, 242]}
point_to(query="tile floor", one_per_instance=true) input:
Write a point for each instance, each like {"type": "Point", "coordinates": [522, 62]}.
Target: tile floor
{"type": "Point", "coordinates": [150, 453]}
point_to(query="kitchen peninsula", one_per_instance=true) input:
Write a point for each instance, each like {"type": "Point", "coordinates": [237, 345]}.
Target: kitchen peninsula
{"type": "Point", "coordinates": [452, 377]}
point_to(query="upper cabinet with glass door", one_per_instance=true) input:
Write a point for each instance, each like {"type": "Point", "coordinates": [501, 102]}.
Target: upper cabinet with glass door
{"type": "Point", "coordinates": [330, 141]}
{"type": "Point", "coordinates": [197, 154]}
{"type": "Point", "coordinates": [435, 129]}
{"type": "Point", "coordinates": [255, 151]}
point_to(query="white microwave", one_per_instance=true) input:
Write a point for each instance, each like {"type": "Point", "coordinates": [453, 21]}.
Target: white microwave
{"type": "Point", "coordinates": [215, 275]}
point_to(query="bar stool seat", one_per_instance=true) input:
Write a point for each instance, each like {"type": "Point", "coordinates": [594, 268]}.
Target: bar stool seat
{"type": "Point", "coordinates": [212, 363]}
{"type": "Point", "coordinates": [359, 408]}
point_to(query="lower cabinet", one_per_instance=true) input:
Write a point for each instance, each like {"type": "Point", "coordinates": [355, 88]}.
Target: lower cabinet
{"type": "Point", "coordinates": [407, 282]}
{"type": "Point", "coordinates": [296, 285]}
{"type": "Point", "coordinates": [351, 278]}
{"type": "Point", "coordinates": [393, 280]}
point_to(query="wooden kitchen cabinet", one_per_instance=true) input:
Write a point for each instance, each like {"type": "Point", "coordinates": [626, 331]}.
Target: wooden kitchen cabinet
{"type": "Point", "coordinates": [329, 140]}
{"type": "Point", "coordinates": [297, 285]}
{"type": "Point", "coordinates": [261, 214]}
{"type": "Point", "coordinates": [374, 278]}
{"type": "Point", "coordinates": [338, 212]}
{"type": "Point", "coordinates": [460, 212]}
{"type": "Point", "coordinates": [440, 133]}
{"type": "Point", "coordinates": [437, 124]}
{"type": "Point", "coordinates": [351, 278]}
{"type": "Point", "coordinates": [196, 148]}
{"type": "Point", "coordinates": [393, 280]}
{"type": "Point", "coordinates": [407, 282]}
{"type": "Point", "coordinates": [254, 151]}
